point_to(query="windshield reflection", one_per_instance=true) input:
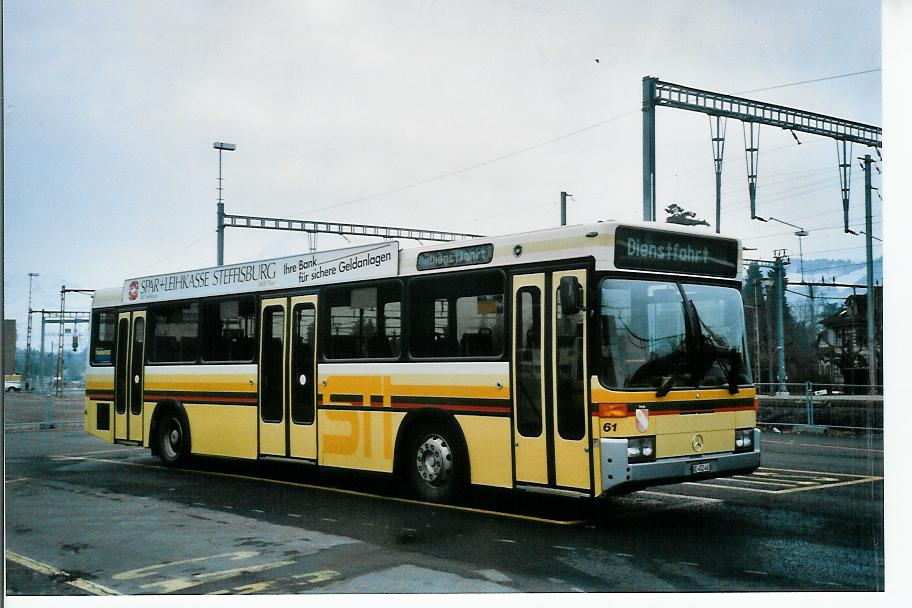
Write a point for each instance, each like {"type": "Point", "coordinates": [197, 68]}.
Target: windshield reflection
{"type": "Point", "coordinates": [645, 340]}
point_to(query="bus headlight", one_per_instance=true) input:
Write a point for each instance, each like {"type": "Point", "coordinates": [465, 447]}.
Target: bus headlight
{"type": "Point", "coordinates": [640, 449]}
{"type": "Point", "coordinates": [744, 440]}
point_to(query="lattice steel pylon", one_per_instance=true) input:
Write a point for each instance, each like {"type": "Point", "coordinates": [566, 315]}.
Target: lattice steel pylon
{"type": "Point", "coordinates": [717, 126]}
{"type": "Point", "coordinates": [751, 132]}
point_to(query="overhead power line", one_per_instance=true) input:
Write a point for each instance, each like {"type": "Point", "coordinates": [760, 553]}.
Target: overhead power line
{"type": "Point", "coordinates": [544, 143]}
{"type": "Point", "coordinates": [792, 84]}
{"type": "Point", "coordinates": [473, 166]}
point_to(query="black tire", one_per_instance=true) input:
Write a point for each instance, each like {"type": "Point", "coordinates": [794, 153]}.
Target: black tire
{"type": "Point", "coordinates": [436, 463]}
{"type": "Point", "coordinates": [173, 438]}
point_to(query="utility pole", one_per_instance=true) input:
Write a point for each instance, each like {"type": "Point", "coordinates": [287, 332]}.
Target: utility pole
{"type": "Point", "coordinates": [220, 206]}
{"type": "Point", "coordinates": [769, 338]}
{"type": "Point", "coordinates": [869, 254]}
{"type": "Point", "coordinates": [58, 381]}
{"type": "Point", "coordinates": [781, 261]}
{"type": "Point", "coordinates": [649, 148]}
{"type": "Point", "coordinates": [58, 378]}
{"type": "Point", "coordinates": [564, 196]}
{"type": "Point", "coordinates": [28, 336]}
{"type": "Point", "coordinates": [756, 283]}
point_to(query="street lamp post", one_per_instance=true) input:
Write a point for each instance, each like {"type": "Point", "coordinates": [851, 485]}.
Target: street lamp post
{"type": "Point", "coordinates": [220, 207]}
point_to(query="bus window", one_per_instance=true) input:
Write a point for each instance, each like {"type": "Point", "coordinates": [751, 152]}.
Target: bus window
{"type": "Point", "coordinates": [568, 354]}
{"type": "Point", "coordinates": [101, 349]}
{"type": "Point", "coordinates": [229, 327]}
{"type": "Point", "coordinates": [356, 330]}
{"type": "Point", "coordinates": [302, 359]}
{"type": "Point", "coordinates": [528, 362]}
{"type": "Point", "coordinates": [175, 332]}
{"type": "Point", "coordinates": [457, 316]}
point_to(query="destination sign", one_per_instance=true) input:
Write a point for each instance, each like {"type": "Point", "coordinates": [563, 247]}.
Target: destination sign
{"type": "Point", "coordinates": [658, 250]}
{"type": "Point", "coordinates": [460, 256]}
{"type": "Point", "coordinates": [336, 266]}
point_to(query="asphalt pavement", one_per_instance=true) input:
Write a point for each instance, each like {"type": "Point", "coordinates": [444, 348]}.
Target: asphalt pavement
{"type": "Point", "coordinates": [85, 517]}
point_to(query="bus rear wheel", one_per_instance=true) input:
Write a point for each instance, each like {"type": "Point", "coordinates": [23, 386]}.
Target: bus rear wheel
{"type": "Point", "coordinates": [172, 439]}
{"type": "Point", "coordinates": [436, 466]}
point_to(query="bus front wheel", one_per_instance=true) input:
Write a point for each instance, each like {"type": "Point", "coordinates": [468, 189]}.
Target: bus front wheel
{"type": "Point", "coordinates": [172, 439]}
{"type": "Point", "coordinates": [436, 464]}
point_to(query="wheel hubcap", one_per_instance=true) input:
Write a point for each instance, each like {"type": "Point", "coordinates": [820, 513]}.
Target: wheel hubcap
{"type": "Point", "coordinates": [434, 460]}
{"type": "Point", "coordinates": [172, 439]}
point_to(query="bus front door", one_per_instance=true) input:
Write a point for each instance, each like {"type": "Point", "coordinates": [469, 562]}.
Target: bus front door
{"type": "Point", "coordinates": [550, 397]}
{"type": "Point", "coordinates": [129, 376]}
{"type": "Point", "coordinates": [287, 377]}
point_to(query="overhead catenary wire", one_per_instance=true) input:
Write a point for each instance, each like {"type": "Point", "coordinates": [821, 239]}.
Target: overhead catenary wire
{"type": "Point", "coordinates": [541, 144]}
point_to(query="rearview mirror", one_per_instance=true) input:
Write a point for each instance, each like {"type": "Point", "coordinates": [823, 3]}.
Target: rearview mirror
{"type": "Point", "coordinates": [571, 295]}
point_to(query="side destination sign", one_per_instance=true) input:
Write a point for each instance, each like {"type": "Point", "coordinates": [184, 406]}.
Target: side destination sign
{"type": "Point", "coordinates": [340, 265]}
{"type": "Point", "coordinates": [659, 250]}
{"type": "Point", "coordinates": [459, 256]}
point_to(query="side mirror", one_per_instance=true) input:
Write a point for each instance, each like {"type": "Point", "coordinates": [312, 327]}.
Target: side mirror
{"type": "Point", "coordinates": [571, 295]}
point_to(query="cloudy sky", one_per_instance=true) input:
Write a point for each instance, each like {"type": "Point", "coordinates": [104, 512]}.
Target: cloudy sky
{"type": "Point", "coordinates": [419, 114]}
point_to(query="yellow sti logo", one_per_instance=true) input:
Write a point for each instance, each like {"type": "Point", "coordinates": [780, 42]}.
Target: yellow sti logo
{"type": "Point", "coordinates": [697, 442]}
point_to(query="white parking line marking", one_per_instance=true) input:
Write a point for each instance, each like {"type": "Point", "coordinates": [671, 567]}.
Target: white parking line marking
{"type": "Point", "coordinates": [123, 449]}
{"type": "Point", "coordinates": [687, 496]}
{"type": "Point", "coordinates": [563, 547]}
{"type": "Point", "coordinates": [17, 479]}
{"type": "Point", "coordinates": [293, 515]}
{"type": "Point", "coordinates": [504, 540]}
{"type": "Point", "coordinates": [48, 570]}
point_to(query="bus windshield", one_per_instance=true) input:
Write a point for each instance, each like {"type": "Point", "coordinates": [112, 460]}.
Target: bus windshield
{"type": "Point", "coordinates": [656, 334]}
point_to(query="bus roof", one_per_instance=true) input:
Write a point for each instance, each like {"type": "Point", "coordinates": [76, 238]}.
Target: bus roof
{"type": "Point", "coordinates": [645, 247]}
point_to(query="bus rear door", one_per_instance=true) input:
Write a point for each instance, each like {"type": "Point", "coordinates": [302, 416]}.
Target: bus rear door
{"type": "Point", "coordinates": [287, 377]}
{"type": "Point", "coordinates": [129, 376]}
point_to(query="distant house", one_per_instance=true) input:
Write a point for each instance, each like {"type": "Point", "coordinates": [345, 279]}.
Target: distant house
{"type": "Point", "coordinates": [842, 346]}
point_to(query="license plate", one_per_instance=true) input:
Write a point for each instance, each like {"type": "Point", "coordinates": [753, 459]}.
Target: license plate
{"type": "Point", "coordinates": [701, 467]}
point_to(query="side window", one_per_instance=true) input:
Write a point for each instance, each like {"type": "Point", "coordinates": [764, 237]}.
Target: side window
{"type": "Point", "coordinates": [229, 327]}
{"type": "Point", "coordinates": [528, 362]}
{"type": "Point", "coordinates": [364, 322]}
{"type": "Point", "coordinates": [175, 333]}
{"type": "Point", "coordinates": [104, 330]}
{"type": "Point", "coordinates": [457, 316]}
{"type": "Point", "coordinates": [569, 380]}
{"type": "Point", "coordinates": [303, 340]}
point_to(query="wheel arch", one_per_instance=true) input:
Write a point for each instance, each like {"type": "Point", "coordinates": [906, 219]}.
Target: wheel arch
{"type": "Point", "coordinates": [434, 418]}
{"type": "Point", "coordinates": [161, 408]}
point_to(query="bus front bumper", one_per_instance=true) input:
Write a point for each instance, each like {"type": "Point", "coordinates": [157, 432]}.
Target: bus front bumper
{"type": "Point", "coordinates": [619, 475]}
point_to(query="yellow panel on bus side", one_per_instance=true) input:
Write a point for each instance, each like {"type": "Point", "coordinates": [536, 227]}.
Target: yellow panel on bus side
{"type": "Point", "coordinates": [488, 440]}
{"type": "Point", "coordinates": [358, 439]}
{"type": "Point", "coordinates": [99, 381]}
{"type": "Point", "coordinates": [91, 421]}
{"type": "Point", "coordinates": [148, 411]}
{"type": "Point", "coordinates": [223, 430]}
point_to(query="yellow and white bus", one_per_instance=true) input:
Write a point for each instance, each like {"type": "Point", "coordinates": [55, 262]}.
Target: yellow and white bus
{"type": "Point", "coordinates": [581, 360]}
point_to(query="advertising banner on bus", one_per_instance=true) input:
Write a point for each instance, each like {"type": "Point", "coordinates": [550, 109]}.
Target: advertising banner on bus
{"type": "Point", "coordinates": [373, 261]}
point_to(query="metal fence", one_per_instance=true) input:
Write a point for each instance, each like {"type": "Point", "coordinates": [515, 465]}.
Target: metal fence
{"type": "Point", "coordinates": [42, 410]}
{"type": "Point", "coordinates": [818, 407]}
{"type": "Point", "coordinates": [818, 388]}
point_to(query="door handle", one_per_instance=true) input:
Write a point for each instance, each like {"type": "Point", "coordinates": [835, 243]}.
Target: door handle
{"type": "Point", "coordinates": [136, 379]}
{"type": "Point", "coordinates": [302, 379]}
